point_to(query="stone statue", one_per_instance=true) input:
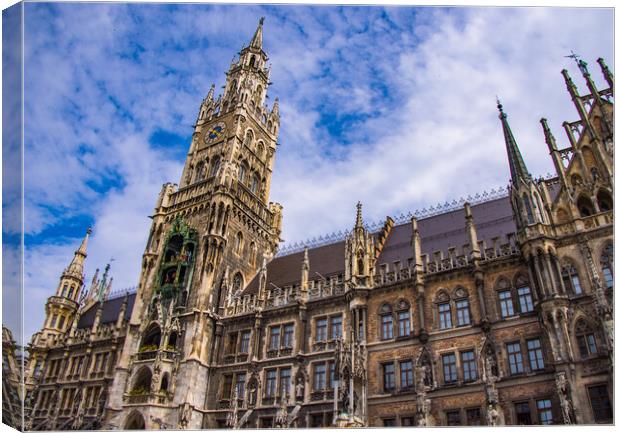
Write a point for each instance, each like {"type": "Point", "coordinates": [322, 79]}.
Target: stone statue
{"type": "Point", "coordinates": [561, 386]}
{"type": "Point", "coordinates": [492, 415]}
{"type": "Point", "coordinates": [185, 417]}
{"type": "Point", "coordinates": [252, 391]}
{"type": "Point", "coordinates": [299, 389]}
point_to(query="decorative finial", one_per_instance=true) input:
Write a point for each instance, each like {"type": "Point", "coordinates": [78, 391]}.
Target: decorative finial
{"type": "Point", "coordinates": [261, 21]}
{"type": "Point", "coordinates": [358, 217]}
{"type": "Point", "coordinates": [89, 231]}
{"type": "Point", "coordinates": [500, 107]}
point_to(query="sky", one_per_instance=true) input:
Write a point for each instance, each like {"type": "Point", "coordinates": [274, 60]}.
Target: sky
{"type": "Point", "coordinates": [392, 106]}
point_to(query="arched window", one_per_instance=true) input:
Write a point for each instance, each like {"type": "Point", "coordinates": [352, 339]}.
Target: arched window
{"type": "Point", "coordinates": [242, 172]}
{"type": "Point", "coordinates": [570, 277]}
{"type": "Point", "coordinates": [387, 322]}
{"type": "Point", "coordinates": [249, 138]}
{"type": "Point", "coordinates": [254, 184]}
{"type": "Point", "coordinates": [404, 319]}
{"type": "Point", "coordinates": [607, 265]}
{"type": "Point", "coordinates": [164, 383]}
{"type": "Point", "coordinates": [237, 283]}
{"type": "Point", "coordinates": [71, 290]}
{"type": "Point", "coordinates": [528, 209]}
{"type": "Point", "coordinates": [444, 310]}
{"type": "Point", "coordinates": [252, 61]}
{"type": "Point", "coordinates": [215, 166]}
{"type": "Point", "coordinates": [239, 243]}
{"type": "Point", "coordinates": [152, 338]}
{"type": "Point", "coordinates": [586, 339]}
{"type": "Point", "coordinates": [524, 294]}
{"type": "Point", "coordinates": [505, 298]}
{"type": "Point", "coordinates": [260, 149]}
{"type": "Point", "coordinates": [200, 171]}
{"type": "Point", "coordinates": [253, 254]}
{"type": "Point", "coordinates": [585, 206]}
{"type": "Point", "coordinates": [63, 293]}
{"type": "Point", "coordinates": [461, 303]}
{"type": "Point", "coordinates": [142, 382]}
{"type": "Point", "coordinates": [604, 200]}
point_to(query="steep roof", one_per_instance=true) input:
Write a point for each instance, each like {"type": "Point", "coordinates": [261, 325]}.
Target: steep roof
{"type": "Point", "coordinates": [111, 309]}
{"type": "Point", "coordinates": [492, 218]}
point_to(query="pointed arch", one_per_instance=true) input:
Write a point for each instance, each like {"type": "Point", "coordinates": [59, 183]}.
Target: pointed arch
{"type": "Point", "coordinates": [605, 200]}
{"type": "Point", "coordinates": [249, 138]}
{"type": "Point", "coordinates": [135, 421]}
{"type": "Point", "coordinates": [585, 206]}
{"type": "Point", "coordinates": [570, 277]}
{"type": "Point", "coordinates": [142, 381]}
{"type": "Point", "coordinates": [607, 265]}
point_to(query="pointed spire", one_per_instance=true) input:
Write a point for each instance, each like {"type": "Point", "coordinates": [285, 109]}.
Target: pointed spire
{"type": "Point", "coordinates": [276, 107]}
{"type": "Point", "coordinates": [518, 170]}
{"type": "Point", "coordinates": [211, 93]}
{"type": "Point", "coordinates": [609, 77]}
{"type": "Point", "coordinates": [82, 248]}
{"type": "Point", "coordinates": [257, 39]}
{"type": "Point", "coordinates": [358, 217]}
{"type": "Point", "coordinates": [549, 138]}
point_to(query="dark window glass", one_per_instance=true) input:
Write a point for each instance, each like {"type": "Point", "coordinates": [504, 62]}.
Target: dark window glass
{"type": "Point", "coordinates": [515, 359]}
{"type": "Point", "coordinates": [240, 385]}
{"type": "Point", "coordinates": [321, 329]}
{"type": "Point", "coordinates": [587, 345]}
{"type": "Point", "coordinates": [462, 312]}
{"type": "Point", "coordinates": [445, 316]}
{"type": "Point", "coordinates": [316, 420]}
{"type": "Point", "coordinates": [274, 338]}
{"type": "Point", "coordinates": [404, 324]}
{"type": "Point", "coordinates": [468, 361]}
{"type": "Point", "coordinates": [388, 377]}
{"type": "Point", "coordinates": [545, 414]}
{"type": "Point", "coordinates": [264, 423]}
{"type": "Point", "coordinates": [535, 354]}
{"type": "Point", "coordinates": [332, 375]}
{"type": "Point", "coordinates": [336, 327]}
{"type": "Point", "coordinates": [270, 386]}
{"type": "Point", "coordinates": [601, 406]}
{"type": "Point", "coordinates": [227, 387]}
{"type": "Point", "coordinates": [406, 374]}
{"type": "Point", "coordinates": [525, 299]}
{"type": "Point", "coordinates": [407, 421]}
{"type": "Point", "coordinates": [453, 417]}
{"type": "Point", "coordinates": [523, 414]}
{"type": "Point", "coordinates": [473, 416]}
{"type": "Point", "coordinates": [505, 302]}
{"type": "Point", "coordinates": [245, 342]}
{"type": "Point", "coordinates": [387, 329]}
{"type": "Point", "coordinates": [389, 422]}
{"type": "Point", "coordinates": [449, 367]}
{"type": "Point", "coordinates": [287, 340]}
{"type": "Point", "coordinates": [285, 381]}
{"type": "Point", "coordinates": [319, 376]}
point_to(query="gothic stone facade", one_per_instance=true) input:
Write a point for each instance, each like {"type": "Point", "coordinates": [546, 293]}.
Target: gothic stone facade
{"type": "Point", "coordinates": [496, 312]}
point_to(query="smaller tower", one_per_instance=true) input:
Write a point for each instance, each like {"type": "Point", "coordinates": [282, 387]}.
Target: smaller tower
{"type": "Point", "coordinates": [525, 196]}
{"type": "Point", "coordinates": [61, 308]}
{"type": "Point", "coordinates": [359, 254]}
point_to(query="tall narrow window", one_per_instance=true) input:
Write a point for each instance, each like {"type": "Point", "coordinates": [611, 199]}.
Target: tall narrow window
{"type": "Point", "coordinates": [545, 414]}
{"type": "Point", "coordinates": [515, 358]}
{"type": "Point", "coordinates": [319, 376]}
{"type": "Point", "coordinates": [240, 385]}
{"type": "Point", "coordinates": [254, 183]}
{"type": "Point", "coordinates": [406, 374]}
{"type": "Point", "coordinates": [468, 362]}
{"type": "Point", "coordinates": [525, 299]}
{"type": "Point", "coordinates": [388, 377]}
{"type": "Point", "coordinates": [524, 416]}
{"type": "Point", "coordinates": [270, 383]}
{"type": "Point", "coordinates": [274, 337]}
{"type": "Point", "coordinates": [462, 312]}
{"type": "Point", "coordinates": [332, 375]}
{"type": "Point", "coordinates": [336, 327]}
{"type": "Point", "coordinates": [404, 324]}
{"type": "Point", "coordinates": [287, 340]}
{"type": "Point", "coordinates": [601, 405]}
{"type": "Point", "coordinates": [586, 341]}
{"type": "Point", "coordinates": [535, 354]}
{"type": "Point", "coordinates": [387, 328]}
{"type": "Point", "coordinates": [505, 303]}
{"type": "Point", "coordinates": [445, 316]}
{"type": "Point", "coordinates": [570, 277]}
{"type": "Point", "coordinates": [321, 329]}
{"type": "Point", "coordinates": [227, 386]}
{"type": "Point", "coordinates": [242, 172]}
{"type": "Point", "coordinates": [285, 382]}
{"type": "Point", "coordinates": [245, 342]}
{"type": "Point", "coordinates": [607, 265]}
{"type": "Point", "coordinates": [449, 368]}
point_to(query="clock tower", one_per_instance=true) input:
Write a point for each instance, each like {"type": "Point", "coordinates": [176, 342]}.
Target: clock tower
{"type": "Point", "coordinates": [208, 238]}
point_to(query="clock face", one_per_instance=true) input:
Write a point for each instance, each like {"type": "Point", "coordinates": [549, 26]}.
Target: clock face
{"type": "Point", "coordinates": [216, 132]}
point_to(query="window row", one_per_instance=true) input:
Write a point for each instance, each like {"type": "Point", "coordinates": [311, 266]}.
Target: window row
{"type": "Point", "coordinates": [395, 323]}
{"type": "Point", "coordinates": [328, 328]}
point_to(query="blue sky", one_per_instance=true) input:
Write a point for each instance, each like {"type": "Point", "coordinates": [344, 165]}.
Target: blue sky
{"type": "Point", "coordinates": [393, 106]}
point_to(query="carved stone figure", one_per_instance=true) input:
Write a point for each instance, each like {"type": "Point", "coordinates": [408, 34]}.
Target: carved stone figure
{"type": "Point", "coordinates": [300, 389]}
{"type": "Point", "coordinates": [492, 415]}
{"type": "Point", "coordinates": [561, 387]}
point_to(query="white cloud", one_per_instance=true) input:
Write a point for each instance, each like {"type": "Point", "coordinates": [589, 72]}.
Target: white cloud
{"type": "Point", "coordinates": [99, 84]}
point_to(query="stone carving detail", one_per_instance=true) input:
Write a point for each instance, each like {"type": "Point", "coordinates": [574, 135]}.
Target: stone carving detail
{"type": "Point", "coordinates": [233, 414]}
{"type": "Point", "coordinates": [562, 389]}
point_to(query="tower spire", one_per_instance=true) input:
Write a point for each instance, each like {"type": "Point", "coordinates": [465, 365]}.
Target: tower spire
{"type": "Point", "coordinates": [518, 170]}
{"type": "Point", "coordinates": [257, 39]}
{"type": "Point", "coordinates": [76, 266]}
{"type": "Point", "coordinates": [358, 217]}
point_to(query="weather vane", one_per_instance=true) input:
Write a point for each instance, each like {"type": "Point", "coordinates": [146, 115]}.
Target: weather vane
{"type": "Point", "coordinates": [583, 66]}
